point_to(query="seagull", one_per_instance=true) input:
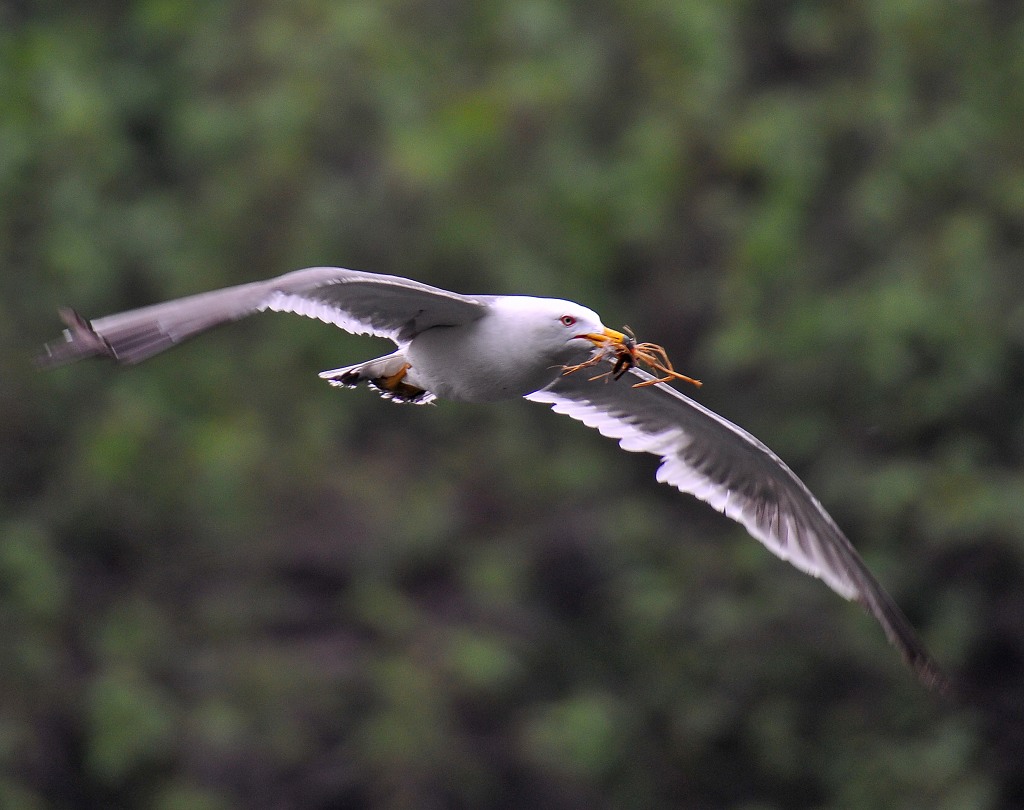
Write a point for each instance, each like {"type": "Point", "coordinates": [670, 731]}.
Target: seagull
{"type": "Point", "coordinates": [488, 348]}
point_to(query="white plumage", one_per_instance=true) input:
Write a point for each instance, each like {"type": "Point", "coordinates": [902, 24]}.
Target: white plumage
{"type": "Point", "coordinates": [488, 348]}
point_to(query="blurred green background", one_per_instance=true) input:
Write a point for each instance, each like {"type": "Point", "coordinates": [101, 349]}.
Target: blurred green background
{"type": "Point", "coordinates": [225, 585]}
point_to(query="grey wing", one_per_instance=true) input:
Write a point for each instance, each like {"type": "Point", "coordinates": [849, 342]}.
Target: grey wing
{"type": "Point", "coordinates": [361, 303]}
{"type": "Point", "coordinates": [723, 465]}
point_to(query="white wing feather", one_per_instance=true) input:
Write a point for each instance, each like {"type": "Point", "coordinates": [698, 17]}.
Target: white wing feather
{"type": "Point", "coordinates": [720, 463]}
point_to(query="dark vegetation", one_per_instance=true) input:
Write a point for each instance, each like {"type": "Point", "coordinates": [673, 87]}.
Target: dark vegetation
{"type": "Point", "coordinates": [225, 585]}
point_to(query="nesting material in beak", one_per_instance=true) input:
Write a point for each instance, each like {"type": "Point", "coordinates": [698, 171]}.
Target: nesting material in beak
{"type": "Point", "coordinates": [628, 353]}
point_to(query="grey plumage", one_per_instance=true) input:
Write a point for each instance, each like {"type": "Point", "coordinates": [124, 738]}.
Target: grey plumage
{"type": "Point", "coordinates": [487, 348]}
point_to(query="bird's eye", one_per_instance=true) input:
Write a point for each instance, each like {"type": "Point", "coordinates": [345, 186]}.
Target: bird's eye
{"type": "Point", "coordinates": [568, 320]}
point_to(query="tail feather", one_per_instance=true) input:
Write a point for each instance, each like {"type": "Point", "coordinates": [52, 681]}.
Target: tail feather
{"type": "Point", "coordinates": [385, 375]}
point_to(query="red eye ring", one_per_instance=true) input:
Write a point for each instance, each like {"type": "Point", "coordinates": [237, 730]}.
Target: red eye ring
{"type": "Point", "coordinates": [568, 320]}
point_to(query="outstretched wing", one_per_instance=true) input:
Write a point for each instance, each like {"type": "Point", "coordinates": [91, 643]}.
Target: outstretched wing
{"type": "Point", "coordinates": [723, 465]}
{"type": "Point", "coordinates": [361, 303]}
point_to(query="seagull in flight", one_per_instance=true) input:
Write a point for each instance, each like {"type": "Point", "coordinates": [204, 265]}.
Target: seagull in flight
{"type": "Point", "coordinates": [487, 348]}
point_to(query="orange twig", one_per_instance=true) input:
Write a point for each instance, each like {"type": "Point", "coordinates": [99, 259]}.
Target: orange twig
{"type": "Point", "coordinates": [629, 353]}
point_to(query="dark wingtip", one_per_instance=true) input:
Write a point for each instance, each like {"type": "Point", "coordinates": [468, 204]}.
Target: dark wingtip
{"type": "Point", "coordinates": [933, 678]}
{"type": "Point", "coordinates": [80, 341]}
{"type": "Point", "coordinates": [902, 636]}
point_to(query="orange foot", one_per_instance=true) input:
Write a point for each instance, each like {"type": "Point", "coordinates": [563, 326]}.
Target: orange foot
{"type": "Point", "coordinates": [394, 387]}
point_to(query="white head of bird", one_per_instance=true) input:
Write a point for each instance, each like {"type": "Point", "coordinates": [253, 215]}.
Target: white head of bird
{"type": "Point", "coordinates": [524, 344]}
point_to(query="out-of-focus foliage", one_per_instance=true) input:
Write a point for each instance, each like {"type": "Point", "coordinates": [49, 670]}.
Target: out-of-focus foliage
{"type": "Point", "coordinates": [224, 585]}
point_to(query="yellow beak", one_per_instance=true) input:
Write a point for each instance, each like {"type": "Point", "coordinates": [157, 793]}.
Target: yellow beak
{"type": "Point", "coordinates": [605, 337]}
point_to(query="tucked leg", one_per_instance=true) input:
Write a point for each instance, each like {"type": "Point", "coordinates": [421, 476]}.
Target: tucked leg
{"type": "Point", "coordinates": [387, 375]}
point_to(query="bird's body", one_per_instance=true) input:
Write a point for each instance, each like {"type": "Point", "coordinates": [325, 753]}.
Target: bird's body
{"type": "Point", "coordinates": [490, 348]}
{"type": "Point", "coordinates": [447, 360]}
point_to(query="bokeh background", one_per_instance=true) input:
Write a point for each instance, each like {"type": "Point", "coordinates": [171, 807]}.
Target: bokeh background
{"type": "Point", "coordinates": [225, 585]}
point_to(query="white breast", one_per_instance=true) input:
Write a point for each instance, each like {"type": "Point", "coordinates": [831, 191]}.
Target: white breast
{"type": "Point", "coordinates": [501, 356]}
